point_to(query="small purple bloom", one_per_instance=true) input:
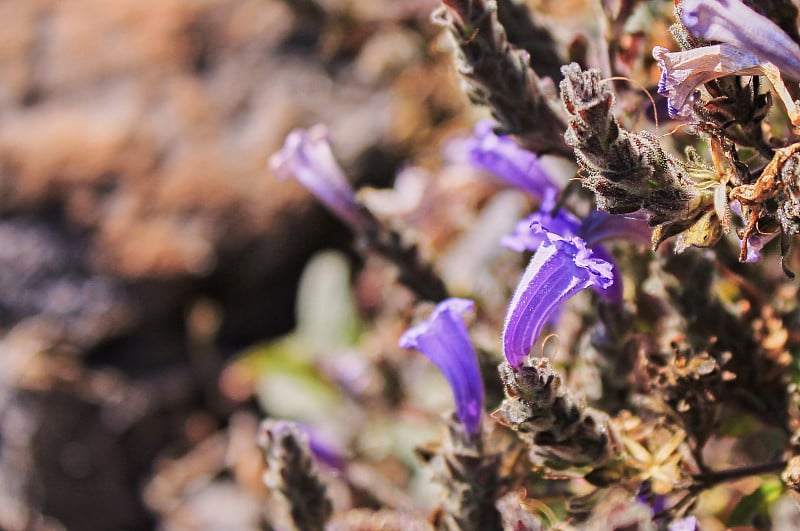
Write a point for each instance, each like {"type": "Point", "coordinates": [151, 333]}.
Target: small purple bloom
{"type": "Point", "coordinates": [560, 268]}
{"type": "Point", "coordinates": [657, 502]}
{"type": "Point", "coordinates": [689, 523]}
{"type": "Point", "coordinates": [444, 340]}
{"type": "Point", "coordinates": [307, 156]}
{"type": "Point", "coordinates": [732, 22]}
{"type": "Point", "coordinates": [682, 72]}
{"type": "Point", "coordinates": [755, 243]}
{"type": "Point", "coordinates": [325, 453]}
{"type": "Point", "coordinates": [503, 157]}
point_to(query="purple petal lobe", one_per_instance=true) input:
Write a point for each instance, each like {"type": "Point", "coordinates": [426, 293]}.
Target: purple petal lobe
{"type": "Point", "coordinates": [444, 340]}
{"type": "Point", "coordinates": [613, 292]}
{"type": "Point", "coordinates": [307, 156]}
{"type": "Point", "coordinates": [732, 22]}
{"type": "Point", "coordinates": [530, 232]}
{"type": "Point", "coordinates": [501, 156]}
{"type": "Point", "coordinates": [561, 267]}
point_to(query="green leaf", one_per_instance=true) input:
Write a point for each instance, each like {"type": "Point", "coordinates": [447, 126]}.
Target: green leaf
{"type": "Point", "coordinates": [756, 504]}
{"type": "Point", "coordinates": [739, 425]}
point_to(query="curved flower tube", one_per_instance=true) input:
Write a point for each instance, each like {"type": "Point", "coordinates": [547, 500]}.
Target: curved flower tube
{"type": "Point", "coordinates": [501, 156]}
{"type": "Point", "coordinates": [601, 226]}
{"type": "Point", "coordinates": [732, 22]}
{"type": "Point", "coordinates": [307, 156]}
{"type": "Point", "coordinates": [561, 267]}
{"type": "Point", "coordinates": [444, 340]}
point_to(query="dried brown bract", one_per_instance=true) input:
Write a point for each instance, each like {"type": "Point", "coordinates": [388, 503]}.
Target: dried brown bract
{"type": "Point", "coordinates": [773, 197]}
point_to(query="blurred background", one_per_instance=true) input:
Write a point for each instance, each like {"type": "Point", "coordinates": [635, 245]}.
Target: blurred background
{"type": "Point", "coordinates": [148, 257]}
{"type": "Point", "coordinates": [144, 244]}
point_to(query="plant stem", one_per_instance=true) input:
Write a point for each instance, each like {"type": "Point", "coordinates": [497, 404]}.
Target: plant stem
{"type": "Point", "coordinates": [709, 479]}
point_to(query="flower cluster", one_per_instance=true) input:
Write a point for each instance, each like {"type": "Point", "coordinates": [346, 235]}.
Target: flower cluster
{"type": "Point", "coordinates": [648, 373]}
{"type": "Point", "coordinates": [568, 252]}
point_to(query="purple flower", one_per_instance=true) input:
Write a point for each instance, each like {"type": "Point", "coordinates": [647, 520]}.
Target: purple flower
{"type": "Point", "coordinates": [307, 156]}
{"type": "Point", "coordinates": [683, 72]}
{"type": "Point", "coordinates": [444, 340]}
{"type": "Point", "coordinates": [755, 243]}
{"type": "Point", "coordinates": [597, 227]}
{"type": "Point", "coordinates": [688, 523]}
{"type": "Point", "coordinates": [732, 22]}
{"type": "Point", "coordinates": [560, 268]}
{"type": "Point", "coordinates": [501, 156]}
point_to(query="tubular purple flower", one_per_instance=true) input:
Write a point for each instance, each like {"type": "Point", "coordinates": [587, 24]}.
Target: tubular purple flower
{"type": "Point", "coordinates": [501, 156]}
{"type": "Point", "coordinates": [444, 340]}
{"type": "Point", "coordinates": [561, 267]}
{"type": "Point", "coordinates": [683, 72]}
{"type": "Point", "coordinates": [596, 228]}
{"type": "Point", "coordinates": [732, 22]}
{"type": "Point", "coordinates": [307, 156]}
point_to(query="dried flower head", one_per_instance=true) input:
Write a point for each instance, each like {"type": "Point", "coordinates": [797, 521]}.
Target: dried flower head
{"type": "Point", "coordinates": [292, 471]}
{"type": "Point", "coordinates": [556, 424]}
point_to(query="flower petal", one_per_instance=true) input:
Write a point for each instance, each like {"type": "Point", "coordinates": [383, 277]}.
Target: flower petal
{"type": "Point", "coordinates": [444, 340]}
{"type": "Point", "coordinates": [732, 22]}
{"type": "Point", "coordinates": [601, 226]}
{"type": "Point", "coordinates": [307, 156]}
{"type": "Point", "coordinates": [501, 156]}
{"type": "Point", "coordinates": [561, 267]}
{"type": "Point", "coordinates": [613, 292]}
{"type": "Point", "coordinates": [682, 72]}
